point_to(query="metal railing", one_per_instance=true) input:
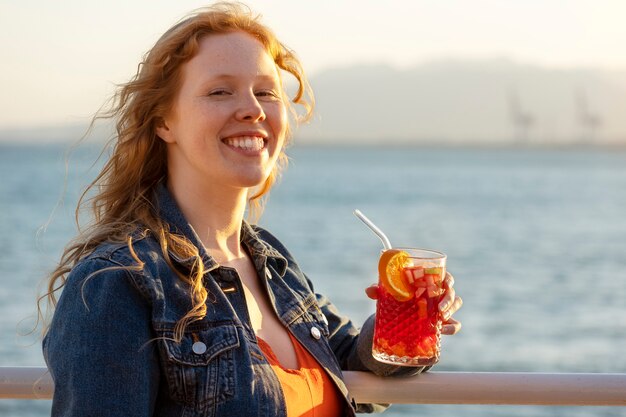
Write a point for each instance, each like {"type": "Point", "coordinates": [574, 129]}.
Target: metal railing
{"type": "Point", "coordinates": [430, 388]}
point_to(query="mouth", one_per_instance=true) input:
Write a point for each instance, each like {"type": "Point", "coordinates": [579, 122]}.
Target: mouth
{"type": "Point", "coordinates": [246, 143]}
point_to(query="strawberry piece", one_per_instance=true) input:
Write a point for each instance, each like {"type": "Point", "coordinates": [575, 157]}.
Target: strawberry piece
{"type": "Point", "coordinates": [419, 292]}
{"type": "Point", "coordinates": [418, 272]}
{"type": "Point", "coordinates": [430, 280]}
{"type": "Point", "coordinates": [420, 283]}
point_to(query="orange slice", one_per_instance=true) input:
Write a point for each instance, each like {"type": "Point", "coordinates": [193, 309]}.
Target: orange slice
{"type": "Point", "coordinates": [390, 268]}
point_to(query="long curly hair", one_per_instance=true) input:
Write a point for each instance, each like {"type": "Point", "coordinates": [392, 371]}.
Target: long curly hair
{"type": "Point", "coordinates": [119, 199]}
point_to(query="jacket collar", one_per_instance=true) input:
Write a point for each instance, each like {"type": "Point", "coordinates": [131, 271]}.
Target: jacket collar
{"type": "Point", "coordinates": [260, 250]}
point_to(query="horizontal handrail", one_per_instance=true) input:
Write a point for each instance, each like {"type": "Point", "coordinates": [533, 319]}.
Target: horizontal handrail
{"type": "Point", "coordinates": [26, 382]}
{"type": "Point", "coordinates": [514, 388]}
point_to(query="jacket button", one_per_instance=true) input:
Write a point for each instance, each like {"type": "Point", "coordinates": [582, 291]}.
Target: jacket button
{"type": "Point", "coordinates": [315, 332]}
{"type": "Point", "coordinates": [198, 348]}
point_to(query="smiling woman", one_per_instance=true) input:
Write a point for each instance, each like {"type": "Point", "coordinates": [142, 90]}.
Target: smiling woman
{"type": "Point", "coordinates": [172, 303]}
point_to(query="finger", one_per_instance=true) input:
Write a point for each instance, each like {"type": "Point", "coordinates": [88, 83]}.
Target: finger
{"type": "Point", "coordinates": [447, 300]}
{"type": "Point", "coordinates": [451, 326]}
{"type": "Point", "coordinates": [456, 305]}
{"type": "Point", "coordinates": [453, 308]}
{"type": "Point", "coordinates": [372, 291]}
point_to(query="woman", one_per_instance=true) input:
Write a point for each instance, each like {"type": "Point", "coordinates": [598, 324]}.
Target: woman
{"type": "Point", "coordinates": [172, 304]}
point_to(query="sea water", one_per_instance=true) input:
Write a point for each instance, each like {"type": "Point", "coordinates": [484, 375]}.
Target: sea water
{"type": "Point", "coordinates": [536, 240]}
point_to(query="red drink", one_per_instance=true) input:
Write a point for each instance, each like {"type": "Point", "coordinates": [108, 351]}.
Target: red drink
{"type": "Point", "coordinates": [408, 322]}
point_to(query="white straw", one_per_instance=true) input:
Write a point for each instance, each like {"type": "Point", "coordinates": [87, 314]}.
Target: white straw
{"type": "Point", "coordinates": [374, 228]}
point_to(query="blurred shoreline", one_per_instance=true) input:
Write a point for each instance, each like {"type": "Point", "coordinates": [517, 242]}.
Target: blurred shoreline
{"type": "Point", "coordinates": [497, 102]}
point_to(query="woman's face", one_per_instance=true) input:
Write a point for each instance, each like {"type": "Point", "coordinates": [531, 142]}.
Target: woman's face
{"type": "Point", "coordinates": [228, 121]}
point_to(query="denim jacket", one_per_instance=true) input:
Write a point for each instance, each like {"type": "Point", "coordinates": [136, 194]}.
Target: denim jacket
{"type": "Point", "coordinates": [110, 347]}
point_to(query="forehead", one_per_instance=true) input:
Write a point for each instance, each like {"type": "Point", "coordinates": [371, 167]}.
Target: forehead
{"type": "Point", "coordinates": [232, 54]}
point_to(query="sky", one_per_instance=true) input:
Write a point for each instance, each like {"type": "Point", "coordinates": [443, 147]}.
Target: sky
{"type": "Point", "coordinates": [61, 60]}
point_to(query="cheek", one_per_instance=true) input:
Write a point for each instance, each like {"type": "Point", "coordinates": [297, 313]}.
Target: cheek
{"type": "Point", "coordinates": [281, 120]}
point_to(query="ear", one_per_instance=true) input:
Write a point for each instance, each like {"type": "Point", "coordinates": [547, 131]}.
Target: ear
{"type": "Point", "coordinates": [164, 132]}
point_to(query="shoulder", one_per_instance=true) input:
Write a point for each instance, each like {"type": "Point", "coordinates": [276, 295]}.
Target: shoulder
{"type": "Point", "coordinates": [116, 266]}
{"type": "Point", "coordinates": [138, 250]}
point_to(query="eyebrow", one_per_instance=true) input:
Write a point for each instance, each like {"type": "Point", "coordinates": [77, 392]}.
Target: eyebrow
{"type": "Point", "coordinates": [230, 76]}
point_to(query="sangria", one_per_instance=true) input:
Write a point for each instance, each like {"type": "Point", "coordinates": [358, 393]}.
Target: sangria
{"type": "Point", "coordinates": [408, 322]}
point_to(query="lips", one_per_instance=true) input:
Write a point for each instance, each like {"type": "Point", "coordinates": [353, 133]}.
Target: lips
{"type": "Point", "coordinates": [246, 143]}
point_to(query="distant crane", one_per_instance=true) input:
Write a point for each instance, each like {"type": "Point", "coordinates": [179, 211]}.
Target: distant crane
{"type": "Point", "coordinates": [589, 121]}
{"type": "Point", "coordinates": [522, 120]}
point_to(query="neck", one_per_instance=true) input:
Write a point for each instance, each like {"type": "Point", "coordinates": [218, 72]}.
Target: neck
{"type": "Point", "coordinates": [216, 216]}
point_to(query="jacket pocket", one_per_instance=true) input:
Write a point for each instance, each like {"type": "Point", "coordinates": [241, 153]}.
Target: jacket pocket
{"type": "Point", "coordinates": [200, 369]}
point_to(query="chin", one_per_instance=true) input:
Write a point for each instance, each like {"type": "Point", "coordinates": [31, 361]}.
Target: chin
{"type": "Point", "coordinates": [253, 181]}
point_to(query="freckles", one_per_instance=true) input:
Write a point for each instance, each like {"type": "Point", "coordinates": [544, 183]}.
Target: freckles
{"type": "Point", "coordinates": [211, 109]}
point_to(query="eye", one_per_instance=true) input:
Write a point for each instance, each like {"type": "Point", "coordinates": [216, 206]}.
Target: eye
{"type": "Point", "coordinates": [219, 92]}
{"type": "Point", "coordinates": [268, 94]}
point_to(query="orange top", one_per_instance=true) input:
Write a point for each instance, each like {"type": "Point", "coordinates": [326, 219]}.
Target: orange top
{"type": "Point", "coordinates": [309, 391]}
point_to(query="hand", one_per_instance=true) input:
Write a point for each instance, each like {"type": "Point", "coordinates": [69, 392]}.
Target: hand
{"type": "Point", "coordinates": [448, 305]}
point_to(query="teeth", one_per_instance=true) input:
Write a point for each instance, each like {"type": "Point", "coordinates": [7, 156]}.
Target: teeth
{"type": "Point", "coordinates": [249, 143]}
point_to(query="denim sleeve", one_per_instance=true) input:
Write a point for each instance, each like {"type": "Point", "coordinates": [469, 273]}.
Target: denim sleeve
{"type": "Point", "coordinates": [98, 346]}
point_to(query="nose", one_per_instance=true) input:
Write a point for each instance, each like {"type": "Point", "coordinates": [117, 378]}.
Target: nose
{"type": "Point", "coordinates": [249, 109]}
